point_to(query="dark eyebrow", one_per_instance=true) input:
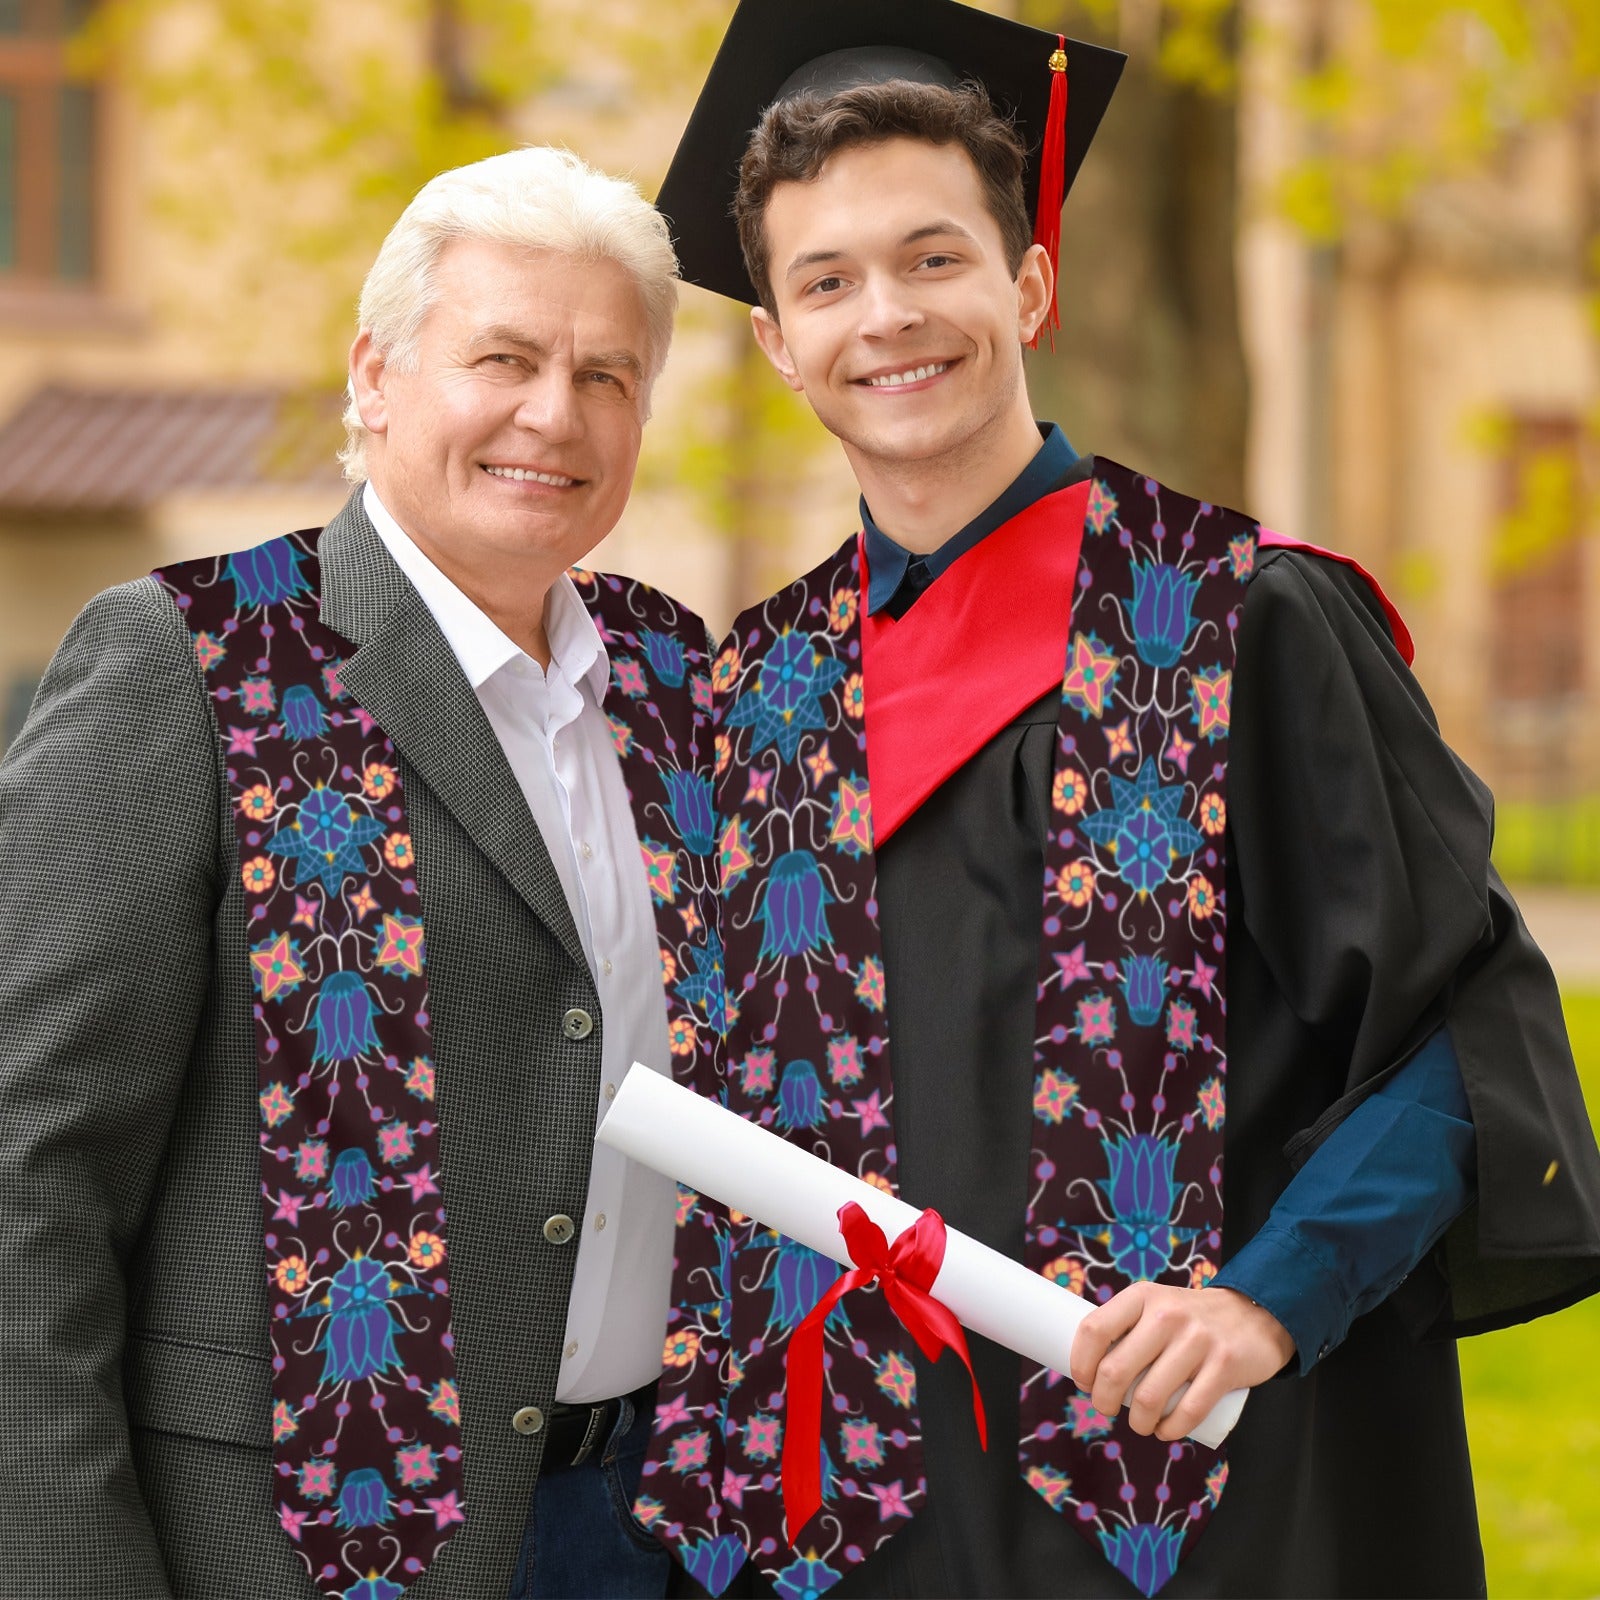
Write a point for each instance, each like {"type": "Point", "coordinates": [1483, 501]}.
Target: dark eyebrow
{"type": "Point", "coordinates": [943, 227]}
{"type": "Point", "coordinates": [505, 334]}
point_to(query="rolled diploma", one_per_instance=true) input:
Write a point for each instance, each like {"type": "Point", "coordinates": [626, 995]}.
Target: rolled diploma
{"type": "Point", "coordinates": [672, 1130]}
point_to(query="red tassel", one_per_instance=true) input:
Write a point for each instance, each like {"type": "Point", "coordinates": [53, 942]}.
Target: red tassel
{"type": "Point", "coordinates": [1052, 182]}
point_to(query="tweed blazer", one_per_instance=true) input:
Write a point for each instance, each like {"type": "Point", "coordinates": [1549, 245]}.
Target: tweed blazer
{"type": "Point", "coordinates": [135, 1450]}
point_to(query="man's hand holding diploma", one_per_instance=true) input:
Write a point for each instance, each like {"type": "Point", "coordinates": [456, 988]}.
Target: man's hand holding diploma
{"type": "Point", "coordinates": [1215, 1340]}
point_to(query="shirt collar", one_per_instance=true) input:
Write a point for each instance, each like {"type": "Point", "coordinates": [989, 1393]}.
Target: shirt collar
{"type": "Point", "coordinates": [888, 561]}
{"type": "Point", "coordinates": [577, 652]}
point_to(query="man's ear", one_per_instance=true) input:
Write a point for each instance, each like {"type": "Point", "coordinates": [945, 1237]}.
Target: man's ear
{"type": "Point", "coordinates": [367, 372]}
{"type": "Point", "coordinates": [774, 347]}
{"type": "Point", "coordinates": [1036, 282]}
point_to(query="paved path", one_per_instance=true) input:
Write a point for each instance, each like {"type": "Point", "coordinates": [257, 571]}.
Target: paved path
{"type": "Point", "coordinates": [1566, 922]}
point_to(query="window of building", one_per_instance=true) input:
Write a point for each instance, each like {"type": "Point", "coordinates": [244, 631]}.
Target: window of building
{"type": "Point", "coordinates": [48, 135]}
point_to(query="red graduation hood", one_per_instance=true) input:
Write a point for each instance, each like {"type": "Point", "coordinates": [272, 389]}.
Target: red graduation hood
{"type": "Point", "coordinates": [981, 645]}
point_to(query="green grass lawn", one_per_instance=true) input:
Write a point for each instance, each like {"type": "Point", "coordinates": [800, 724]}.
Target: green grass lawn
{"type": "Point", "coordinates": [1533, 1413]}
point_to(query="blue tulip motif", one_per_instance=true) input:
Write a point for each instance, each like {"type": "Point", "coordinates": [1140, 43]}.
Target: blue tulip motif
{"type": "Point", "coordinates": [303, 716]}
{"type": "Point", "coordinates": [1146, 1554]}
{"type": "Point", "coordinates": [358, 1341]}
{"type": "Point", "coordinates": [1161, 614]}
{"type": "Point", "coordinates": [343, 1019]}
{"type": "Point", "coordinates": [704, 981]}
{"type": "Point", "coordinates": [353, 1182]}
{"type": "Point", "coordinates": [794, 901]}
{"type": "Point", "coordinates": [373, 1587]}
{"type": "Point", "coordinates": [800, 1097]}
{"type": "Point", "coordinates": [1142, 1193]}
{"type": "Point", "coordinates": [1144, 988]}
{"type": "Point", "coordinates": [266, 575]}
{"type": "Point", "coordinates": [689, 797]}
{"type": "Point", "coordinates": [666, 658]}
{"type": "Point", "coordinates": [712, 1562]}
{"type": "Point", "coordinates": [800, 1277]}
{"type": "Point", "coordinates": [364, 1500]}
{"type": "Point", "coordinates": [806, 1578]}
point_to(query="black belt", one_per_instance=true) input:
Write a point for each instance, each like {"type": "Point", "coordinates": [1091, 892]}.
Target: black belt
{"type": "Point", "coordinates": [574, 1433]}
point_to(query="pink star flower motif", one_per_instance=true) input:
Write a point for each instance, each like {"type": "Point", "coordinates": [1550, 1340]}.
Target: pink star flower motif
{"type": "Point", "coordinates": [291, 1521]}
{"type": "Point", "coordinates": [305, 911]}
{"type": "Point", "coordinates": [415, 1465]}
{"type": "Point", "coordinates": [1202, 976]}
{"type": "Point", "coordinates": [1242, 554]}
{"type": "Point", "coordinates": [646, 1510]}
{"type": "Point", "coordinates": [363, 902]}
{"type": "Point", "coordinates": [1084, 1421]}
{"type": "Point", "coordinates": [844, 1061]}
{"type": "Point", "coordinates": [288, 1207]}
{"type": "Point", "coordinates": [689, 1453]}
{"type": "Point", "coordinates": [444, 1401]}
{"type": "Point", "coordinates": [897, 1378]}
{"type": "Point", "coordinates": [1049, 1483]}
{"type": "Point", "coordinates": [311, 1161]}
{"type": "Point", "coordinates": [1091, 671]}
{"type": "Point", "coordinates": [419, 1078]}
{"type": "Point", "coordinates": [364, 721]}
{"type": "Point", "coordinates": [1212, 1103]}
{"type": "Point", "coordinates": [446, 1510]}
{"type": "Point", "coordinates": [1072, 966]}
{"type": "Point", "coordinates": [851, 826]}
{"type": "Point", "coordinates": [207, 651]}
{"type": "Point", "coordinates": [1179, 751]}
{"type": "Point", "coordinates": [762, 1437]}
{"type": "Point", "coordinates": [673, 1414]}
{"type": "Point", "coordinates": [1053, 1096]}
{"type": "Point", "coordinates": [692, 923]}
{"type": "Point", "coordinates": [820, 766]}
{"type": "Point", "coordinates": [256, 697]}
{"type": "Point", "coordinates": [869, 986]}
{"type": "Point", "coordinates": [1102, 507]}
{"type": "Point", "coordinates": [621, 733]}
{"type": "Point", "coordinates": [733, 853]}
{"type": "Point", "coordinates": [1217, 1481]}
{"type": "Point", "coordinates": [659, 868]}
{"type": "Point", "coordinates": [284, 1425]}
{"type": "Point", "coordinates": [871, 1113]}
{"type": "Point", "coordinates": [330, 681]}
{"type": "Point", "coordinates": [400, 945]}
{"type": "Point", "coordinates": [759, 790]}
{"type": "Point", "coordinates": [317, 1479]}
{"type": "Point", "coordinates": [862, 1444]}
{"type": "Point", "coordinates": [733, 1486]}
{"type": "Point", "coordinates": [1097, 1019]}
{"type": "Point", "coordinates": [1181, 1025]}
{"type": "Point", "coordinates": [891, 1500]}
{"type": "Point", "coordinates": [1119, 740]}
{"type": "Point", "coordinates": [628, 676]}
{"type": "Point", "coordinates": [421, 1182]}
{"type": "Point", "coordinates": [758, 1073]}
{"type": "Point", "coordinates": [241, 741]}
{"type": "Point", "coordinates": [396, 1142]}
{"type": "Point", "coordinates": [275, 965]}
{"type": "Point", "coordinates": [685, 1205]}
{"type": "Point", "coordinates": [1212, 692]}
{"type": "Point", "coordinates": [276, 1104]}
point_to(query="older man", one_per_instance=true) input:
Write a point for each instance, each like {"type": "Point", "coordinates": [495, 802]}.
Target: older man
{"type": "Point", "coordinates": [324, 937]}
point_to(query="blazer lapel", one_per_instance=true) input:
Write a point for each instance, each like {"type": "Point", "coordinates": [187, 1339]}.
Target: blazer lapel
{"type": "Point", "coordinates": [405, 675]}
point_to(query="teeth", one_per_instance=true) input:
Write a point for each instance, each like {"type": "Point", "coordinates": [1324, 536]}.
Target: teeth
{"type": "Point", "coordinates": [913, 375]}
{"type": "Point", "coordinates": [518, 475]}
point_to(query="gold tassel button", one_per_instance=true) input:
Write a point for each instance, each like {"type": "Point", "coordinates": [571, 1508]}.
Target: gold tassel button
{"type": "Point", "coordinates": [1550, 1173]}
{"type": "Point", "coordinates": [1058, 62]}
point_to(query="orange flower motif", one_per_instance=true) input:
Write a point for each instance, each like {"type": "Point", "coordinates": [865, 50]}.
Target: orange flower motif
{"type": "Point", "coordinates": [291, 1274]}
{"type": "Point", "coordinates": [1069, 1272]}
{"type": "Point", "coordinates": [1213, 814]}
{"type": "Point", "coordinates": [680, 1036]}
{"type": "Point", "coordinates": [1069, 791]}
{"type": "Point", "coordinates": [1075, 882]}
{"type": "Point", "coordinates": [1119, 740]}
{"type": "Point", "coordinates": [724, 749]}
{"type": "Point", "coordinates": [878, 1181]}
{"type": "Point", "coordinates": [842, 609]}
{"type": "Point", "coordinates": [363, 901]}
{"type": "Point", "coordinates": [1202, 897]}
{"type": "Point", "coordinates": [258, 802]}
{"type": "Point", "coordinates": [1201, 1273]}
{"type": "Point", "coordinates": [379, 780]}
{"type": "Point", "coordinates": [725, 669]}
{"type": "Point", "coordinates": [681, 1348]}
{"type": "Point", "coordinates": [855, 696]}
{"type": "Point", "coordinates": [397, 851]}
{"type": "Point", "coordinates": [259, 875]}
{"type": "Point", "coordinates": [669, 965]}
{"type": "Point", "coordinates": [426, 1250]}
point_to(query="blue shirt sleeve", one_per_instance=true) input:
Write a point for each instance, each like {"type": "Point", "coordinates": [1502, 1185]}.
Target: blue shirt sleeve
{"type": "Point", "coordinates": [1367, 1206]}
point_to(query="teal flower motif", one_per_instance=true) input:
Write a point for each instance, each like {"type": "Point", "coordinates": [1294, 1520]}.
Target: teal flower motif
{"type": "Point", "coordinates": [783, 701]}
{"type": "Point", "coordinates": [266, 575]}
{"type": "Point", "coordinates": [1161, 613]}
{"type": "Point", "coordinates": [1142, 1191]}
{"type": "Point", "coordinates": [704, 983]}
{"type": "Point", "coordinates": [1146, 1554]}
{"type": "Point", "coordinates": [326, 838]}
{"type": "Point", "coordinates": [1143, 830]}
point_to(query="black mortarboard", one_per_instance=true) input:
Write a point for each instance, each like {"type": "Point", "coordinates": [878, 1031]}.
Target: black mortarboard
{"type": "Point", "coordinates": [777, 48]}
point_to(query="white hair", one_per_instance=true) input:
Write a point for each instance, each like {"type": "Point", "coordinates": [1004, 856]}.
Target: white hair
{"type": "Point", "coordinates": [537, 197]}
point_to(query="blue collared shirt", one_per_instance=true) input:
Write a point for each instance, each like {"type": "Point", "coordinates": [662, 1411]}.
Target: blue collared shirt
{"type": "Point", "coordinates": [1379, 1192]}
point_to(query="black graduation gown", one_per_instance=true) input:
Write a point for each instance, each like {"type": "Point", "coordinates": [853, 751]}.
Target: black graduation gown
{"type": "Point", "coordinates": [1365, 913]}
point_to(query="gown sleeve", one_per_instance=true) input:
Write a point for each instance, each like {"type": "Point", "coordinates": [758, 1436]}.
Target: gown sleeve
{"type": "Point", "coordinates": [1361, 847]}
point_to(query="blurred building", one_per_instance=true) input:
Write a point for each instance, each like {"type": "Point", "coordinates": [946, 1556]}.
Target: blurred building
{"type": "Point", "coordinates": [1421, 394]}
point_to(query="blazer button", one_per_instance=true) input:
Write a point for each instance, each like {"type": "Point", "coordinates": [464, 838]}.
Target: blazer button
{"type": "Point", "coordinates": [530, 1419]}
{"type": "Point", "coordinates": [559, 1229]}
{"type": "Point", "coordinates": [577, 1024]}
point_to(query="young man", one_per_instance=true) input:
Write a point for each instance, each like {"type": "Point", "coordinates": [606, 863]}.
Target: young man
{"type": "Point", "coordinates": [322, 915]}
{"type": "Point", "coordinates": [1164, 874]}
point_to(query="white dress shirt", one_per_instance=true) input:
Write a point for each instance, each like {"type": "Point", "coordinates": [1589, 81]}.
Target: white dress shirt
{"type": "Point", "coordinates": [558, 744]}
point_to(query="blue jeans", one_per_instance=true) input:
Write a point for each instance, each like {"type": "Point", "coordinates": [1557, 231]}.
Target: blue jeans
{"type": "Point", "coordinates": [582, 1542]}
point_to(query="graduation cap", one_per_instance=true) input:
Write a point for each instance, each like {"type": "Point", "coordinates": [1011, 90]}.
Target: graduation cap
{"type": "Point", "coordinates": [775, 49]}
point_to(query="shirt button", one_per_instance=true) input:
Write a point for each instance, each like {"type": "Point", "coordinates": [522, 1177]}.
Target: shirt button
{"type": "Point", "coordinates": [606, 967]}
{"type": "Point", "coordinates": [559, 1229]}
{"type": "Point", "coordinates": [571, 1350]}
{"type": "Point", "coordinates": [588, 851]}
{"type": "Point", "coordinates": [530, 1419]}
{"type": "Point", "coordinates": [577, 1023]}
{"type": "Point", "coordinates": [611, 1091]}
{"type": "Point", "coordinates": [600, 1222]}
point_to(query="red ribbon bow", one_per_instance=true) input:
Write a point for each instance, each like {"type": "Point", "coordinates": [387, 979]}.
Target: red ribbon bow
{"type": "Point", "coordinates": [906, 1269]}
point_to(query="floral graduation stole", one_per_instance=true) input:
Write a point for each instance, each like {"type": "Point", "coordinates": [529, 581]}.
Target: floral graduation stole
{"type": "Point", "coordinates": [366, 1412]}
{"type": "Point", "coordinates": [1128, 1101]}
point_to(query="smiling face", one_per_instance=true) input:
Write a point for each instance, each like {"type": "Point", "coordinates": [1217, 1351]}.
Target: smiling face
{"type": "Point", "coordinates": [512, 441]}
{"type": "Point", "coordinates": [898, 315]}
